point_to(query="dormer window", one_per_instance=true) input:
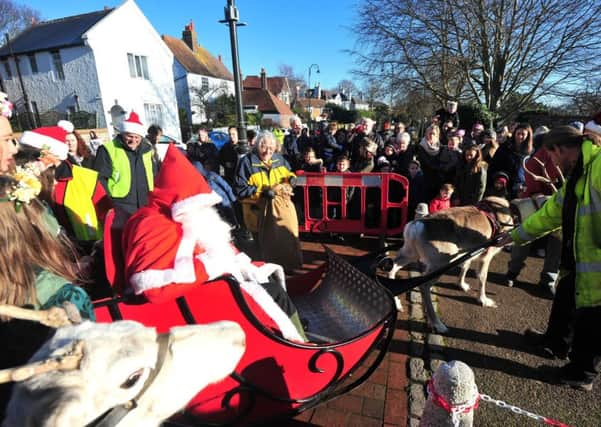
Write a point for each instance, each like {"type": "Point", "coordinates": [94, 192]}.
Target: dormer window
{"type": "Point", "coordinates": [138, 66]}
{"type": "Point", "coordinates": [7, 70]}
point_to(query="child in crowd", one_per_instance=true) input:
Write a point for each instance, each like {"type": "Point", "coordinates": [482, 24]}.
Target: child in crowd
{"type": "Point", "coordinates": [310, 161]}
{"type": "Point", "coordinates": [417, 193]}
{"type": "Point", "coordinates": [499, 186]}
{"type": "Point", "coordinates": [443, 200]}
{"type": "Point", "coordinates": [421, 210]}
{"type": "Point", "coordinates": [388, 161]}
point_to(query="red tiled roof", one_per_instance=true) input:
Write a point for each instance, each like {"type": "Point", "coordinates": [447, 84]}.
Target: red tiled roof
{"type": "Point", "coordinates": [201, 62]}
{"type": "Point", "coordinates": [311, 102]}
{"type": "Point", "coordinates": [274, 84]}
{"type": "Point", "coordinates": [265, 101]}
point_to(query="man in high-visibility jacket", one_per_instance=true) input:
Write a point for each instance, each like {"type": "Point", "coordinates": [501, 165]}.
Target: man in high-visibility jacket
{"type": "Point", "coordinates": [126, 167]}
{"type": "Point", "coordinates": [576, 312]}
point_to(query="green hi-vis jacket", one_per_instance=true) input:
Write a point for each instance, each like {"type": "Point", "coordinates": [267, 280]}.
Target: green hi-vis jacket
{"type": "Point", "coordinates": [587, 229]}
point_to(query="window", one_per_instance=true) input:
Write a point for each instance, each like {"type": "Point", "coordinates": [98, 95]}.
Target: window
{"type": "Point", "coordinates": [7, 70]}
{"type": "Point", "coordinates": [58, 64]}
{"type": "Point", "coordinates": [138, 66]}
{"type": "Point", "coordinates": [153, 114]}
{"type": "Point", "coordinates": [33, 63]}
{"type": "Point", "coordinates": [205, 84]}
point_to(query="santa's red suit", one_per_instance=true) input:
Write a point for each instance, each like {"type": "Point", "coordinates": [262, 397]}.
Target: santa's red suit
{"type": "Point", "coordinates": [179, 241]}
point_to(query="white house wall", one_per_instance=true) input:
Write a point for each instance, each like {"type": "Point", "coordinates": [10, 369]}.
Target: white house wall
{"type": "Point", "coordinates": [126, 30]}
{"type": "Point", "coordinates": [50, 93]}
{"type": "Point", "coordinates": [217, 87]}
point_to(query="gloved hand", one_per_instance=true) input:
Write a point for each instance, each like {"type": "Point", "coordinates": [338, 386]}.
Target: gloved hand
{"type": "Point", "coordinates": [268, 193]}
{"type": "Point", "coordinates": [292, 181]}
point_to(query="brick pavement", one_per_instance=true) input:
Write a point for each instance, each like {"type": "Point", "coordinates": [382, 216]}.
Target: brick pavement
{"type": "Point", "coordinates": [379, 402]}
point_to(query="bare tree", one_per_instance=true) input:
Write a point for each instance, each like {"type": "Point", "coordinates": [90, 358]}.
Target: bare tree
{"type": "Point", "coordinates": [14, 18]}
{"type": "Point", "coordinates": [295, 79]}
{"type": "Point", "coordinates": [481, 50]}
{"type": "Point", "coordinates": [587, 102]}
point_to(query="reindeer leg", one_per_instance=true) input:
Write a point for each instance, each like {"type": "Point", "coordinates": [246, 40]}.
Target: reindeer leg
{"type": "Point", "coordinates": [464, 269]}
{"type": "Point", "coordinates": [54, 317]}
{"type": "Point", "coordinates": [433, 319]}
{"type": "Point", "coordinates": [482, 276]}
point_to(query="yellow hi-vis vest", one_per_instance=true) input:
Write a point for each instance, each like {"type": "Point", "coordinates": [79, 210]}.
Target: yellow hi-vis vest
{"type": "Point", "coordinates": [119, 182]}
{"type": "Point", "coordinates": [80, 206]}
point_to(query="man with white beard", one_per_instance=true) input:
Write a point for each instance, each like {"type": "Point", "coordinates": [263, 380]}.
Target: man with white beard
{"type": "Point", "coordinates": [179, 241]}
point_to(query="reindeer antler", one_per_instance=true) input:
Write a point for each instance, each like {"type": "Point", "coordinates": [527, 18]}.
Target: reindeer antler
{"type": "Point", "coordinates": [545, 179]}
{"type": "Point", "coordinates": [66, 362]}
{"type": "Point", "coordinates": [54, 317]}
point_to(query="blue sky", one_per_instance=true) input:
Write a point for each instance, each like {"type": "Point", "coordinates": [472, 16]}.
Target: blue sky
{"type": "Point", "coordinates": [294, 32]}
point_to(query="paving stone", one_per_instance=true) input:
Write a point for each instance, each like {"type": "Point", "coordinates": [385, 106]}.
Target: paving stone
{"type": "Point", "coordinates": [416, 312]}
{"type": "Point", "coordinates": [413, 422]}
{"type": "Point", "coordinates": [395, 407]}
{"type": "Point", "coordinates": [347, 403]}
{"type": "Point", "coordinates": [397, 376]}
{"type": "Point", "coordinates": [435, 364]}
{"type": "Point", "coordinates": [416, 370]}
{"type": "Point", "coordinates": [373, 408]}
{"type": "Point", "coordinates": [436, 340]}
{"type": "Point", "coordinates": [415, 297]}
{"type": "Point", "coordinates": [417, 399]}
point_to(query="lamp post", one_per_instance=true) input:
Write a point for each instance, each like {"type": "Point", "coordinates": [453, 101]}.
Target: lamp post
{"type": "Point", "coordinates": [232, 18]}
{"type": "Point", "coordinates": [317, 71]}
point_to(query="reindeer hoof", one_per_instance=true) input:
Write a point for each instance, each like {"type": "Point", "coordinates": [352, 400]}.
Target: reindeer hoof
{"type": "Point", "coordinates": [464, 286]}
{"type": "Point", "coordinates": [487, 302]}
{"type": "Point", "coordinates": [397, 303]}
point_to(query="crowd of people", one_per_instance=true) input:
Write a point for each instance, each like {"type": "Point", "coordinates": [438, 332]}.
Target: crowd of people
{"type": "Point", "coordinates": [56, 190]}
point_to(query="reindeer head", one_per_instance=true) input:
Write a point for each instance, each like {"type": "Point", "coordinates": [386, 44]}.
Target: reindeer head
{"type": "Point", "coordinates": [117, 361]}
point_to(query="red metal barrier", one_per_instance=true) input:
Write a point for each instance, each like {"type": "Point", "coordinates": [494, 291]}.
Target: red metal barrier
{"type": "Point", "coordinates": [350, 202]}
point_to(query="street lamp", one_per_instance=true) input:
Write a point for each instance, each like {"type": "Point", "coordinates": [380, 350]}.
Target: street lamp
{"type": "Point", "coordinates": [317, 71]}
{"type": "Point", "coordinates": [231, 18]}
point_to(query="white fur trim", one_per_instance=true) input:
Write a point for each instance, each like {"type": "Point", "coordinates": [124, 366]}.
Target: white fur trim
{"type": "Point", "coordinates": [275, 313]}
{"type": "Point", "coordinates": [131, 127]}
{"type": "Point", "coordinates": [37, 140]}
{"type": "Point", "coordinates": [203, 199]}
{"type": "Point", "coordinates": [66, 125]}
{"type": "Point", "coordinates": [593, 127]}
{"type": "Point", "coordinates": [182, 271]}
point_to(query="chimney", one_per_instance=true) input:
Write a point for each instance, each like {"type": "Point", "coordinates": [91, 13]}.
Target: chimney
{"type": "Point", "coordinates": [219, 57]}
{"type": "Point", "coordinates": [263, 79]}
{"type": "Point", "coordinates": [189, 36]}
{"type": "Point", "coordinates": [34, 21]}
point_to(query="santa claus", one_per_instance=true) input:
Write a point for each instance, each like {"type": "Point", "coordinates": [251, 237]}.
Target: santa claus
{"type": "Point", "coordinates": [179, 241]}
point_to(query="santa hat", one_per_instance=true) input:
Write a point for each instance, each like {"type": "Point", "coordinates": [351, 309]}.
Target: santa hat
{"type": "Point", "coordinates": [132, 125]}
{"type": "Point", "coordinates": [66, 125]}
{"type": "Point", "coordinates": [47, 138]}
{"type": "Point", "coordinates": [595, 124]}
{"type": "Point", "coordinates": [181, 186]}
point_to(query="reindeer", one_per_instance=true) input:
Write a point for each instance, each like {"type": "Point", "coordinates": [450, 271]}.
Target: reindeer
{"type": "Point", "coordinates": [121, 374]}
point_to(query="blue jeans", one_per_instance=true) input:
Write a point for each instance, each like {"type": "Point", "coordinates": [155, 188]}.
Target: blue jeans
{"type": "Point", "coordinates": [552, 258]}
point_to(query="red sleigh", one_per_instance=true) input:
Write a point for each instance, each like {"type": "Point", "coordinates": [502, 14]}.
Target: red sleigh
{"type": "Point", "coordinates": [350, 321]}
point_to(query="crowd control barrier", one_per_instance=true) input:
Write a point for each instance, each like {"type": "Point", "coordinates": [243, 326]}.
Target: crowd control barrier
{"type": "Point", "coordinates": [351, 202]}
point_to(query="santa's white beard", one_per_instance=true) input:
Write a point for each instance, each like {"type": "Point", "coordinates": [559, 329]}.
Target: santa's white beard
{"type": "Point", "coordinates": [210, 232]}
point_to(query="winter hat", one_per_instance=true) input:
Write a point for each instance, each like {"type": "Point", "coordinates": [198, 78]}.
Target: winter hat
{"type": "Point", "coordinates": [501, 176]}
{"type": "Point", "coordinates": [477, 126]}
{"type": "Point", "coordinates": [540, 131]}
{"type": "Point", "coordinates": [47, 138]}
{"type": "Point", "coordinates": [383, 161]}
{"type": "Point", "coordinates": [66, 125]}
{"type": "Point", "coordinates": [421, 210]}
{"type": "Point", "coordinates": [578, 125]}
{"type": "Point", "coordinates": [132, 125]}
{"type": "Point", "coordinates": [181, 186]}
{"type": "Point", "coordinates": [594, 125]}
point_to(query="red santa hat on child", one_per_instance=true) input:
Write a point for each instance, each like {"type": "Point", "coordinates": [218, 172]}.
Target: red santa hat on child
{"type": "Point", "coordinates": [594, 125]}
{"type": "Point", "coordinates": [132, 125]}
{"type": "Point", "coordinates": [181, 186]}
{"type": "Point", "coordinates": [47, 138]}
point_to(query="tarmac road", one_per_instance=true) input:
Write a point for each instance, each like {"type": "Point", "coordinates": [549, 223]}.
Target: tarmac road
{"type": "Point", "coordinates": [490, 341]}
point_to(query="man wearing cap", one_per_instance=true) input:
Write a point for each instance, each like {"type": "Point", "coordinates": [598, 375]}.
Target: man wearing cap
{"type": "Point", "coordinates": [126, 167]}
{"type": "Point", "coordinates": [576, 207]}
{"type": "Point", "coordinates": [449, 113]}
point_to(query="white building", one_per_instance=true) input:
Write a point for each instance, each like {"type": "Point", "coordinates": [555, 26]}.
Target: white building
{"type": "Point", "coordinates": [106, 61]}
{"type": "Point", "coordinates": [199, 76]}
